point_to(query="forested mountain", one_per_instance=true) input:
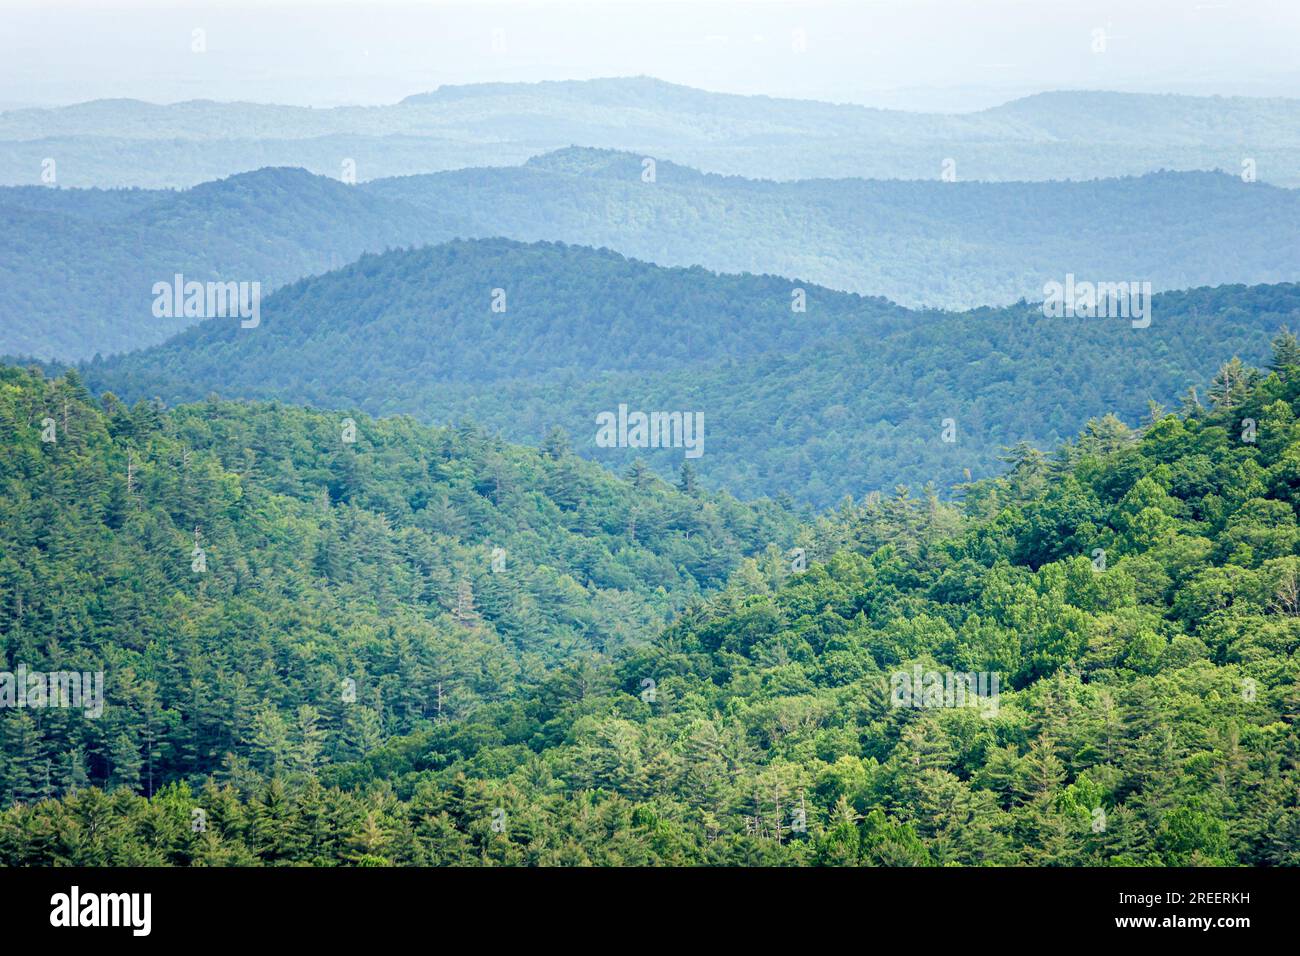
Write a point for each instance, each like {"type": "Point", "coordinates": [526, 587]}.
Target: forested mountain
{"type": "Point", "coordinates": [1135, 592]}
{"type": "Point", "coordinates": [1059, 135]}
{"type": "Point", "coordinates": [79, 267]}
{"type": "Point", "coordinates": [919, 243]}
{"type": "Point", "coordinates": [235, 570]}
{"type": "Point", "coordinates": [849, 396]}
{"type": "Point", "coordinates": [80, 287]}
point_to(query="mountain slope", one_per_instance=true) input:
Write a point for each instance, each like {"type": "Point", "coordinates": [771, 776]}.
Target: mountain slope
{"type": "Point", "coordinates": [950, 245]}
{"type": "Point", "coordinates": [1128, 609]}
{"type": "Point", "coordinates": [850, 396]}
{"type": "Point", "coordinates": [78, 273]}
{"type": "Point", "coordinates": [230, 567]}
{"type": "Point", "coordinates": [80, 265]}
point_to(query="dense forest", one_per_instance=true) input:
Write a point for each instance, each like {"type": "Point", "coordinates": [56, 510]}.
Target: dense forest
{"type": "Point", "coordinates": [1135, 591]}
{"type": "Point", "coordinates": [950, 245]}
{"type": "Point", "coordinates": [849, 396]}
{"type": "Point", "coordinates": [230, 568]}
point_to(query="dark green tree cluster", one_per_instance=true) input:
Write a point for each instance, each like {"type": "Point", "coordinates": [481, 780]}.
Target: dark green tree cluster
{"type": "Point", "coordinates": [271, 589]}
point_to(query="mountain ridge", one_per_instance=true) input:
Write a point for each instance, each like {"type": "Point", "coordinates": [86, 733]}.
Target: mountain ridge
{"type": "Point", "coordinates": [919, 243]}
{"type": "Point", "coordinates": [849, 396]}
{"type": "Point", "coordinates": [115, 142]}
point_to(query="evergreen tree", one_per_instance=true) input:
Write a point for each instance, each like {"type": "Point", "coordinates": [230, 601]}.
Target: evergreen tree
{"type": "Point", "coordinates": [687, 483]}
{"type": "Point", "coordinates": [126, 763]}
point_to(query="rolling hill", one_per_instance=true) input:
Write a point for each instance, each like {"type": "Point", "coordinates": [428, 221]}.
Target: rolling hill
{"type": "Point", "coordinates": [850, 396]}
{"type": "Point", "coordinates": [80, 264]}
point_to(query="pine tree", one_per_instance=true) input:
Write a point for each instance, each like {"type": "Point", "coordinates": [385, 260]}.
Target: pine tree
{"type": "Point", "coordinates": [687, 483]}
{"type": "Point", "coordinates": [465, 612]}
{"type": "Point", "coordinates": [126, 762]}
{"type": "Point", "coordinates": [19, 758]}
{"type": "Point", "coordinates": [1230, 384]}
{"type": "Point", "coordinates": [309, 740]}
{"type": "Point", "coordinates": [1190, 404]}
{"type": "Point", "coordinates": [639, 474]}
{"type": "Point", "coordinates": [1286, 353]}
{"type": "Point", "coordinates": [271, 740]}
{"type": "Point", "coordinates": [1041, 772]}
{"type": "Point", "coordinates": [75, 777]}
{"type": "Point", "coordinates": [557, 444]}
{"type": "Point", "coordinates": [362, 732]}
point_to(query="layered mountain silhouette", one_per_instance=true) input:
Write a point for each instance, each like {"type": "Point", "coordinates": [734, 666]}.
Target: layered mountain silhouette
{"type": "Point", "coordinates": [923, 243]}
{"type": "Point", "coordinates": [851, 395]}
{"type": "Point", "coordinates": [1057, 135]}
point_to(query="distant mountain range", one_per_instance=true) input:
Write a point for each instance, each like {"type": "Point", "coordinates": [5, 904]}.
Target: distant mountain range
{"type": "Point", "coordinates": [80, 265]}
{"type": "Point", "coordinates": [1057, 135]}
{"type": "Point", "coordinates": [849, 396]}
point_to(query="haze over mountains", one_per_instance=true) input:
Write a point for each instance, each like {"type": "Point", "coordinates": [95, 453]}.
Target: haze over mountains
{"type": "Point", "coordinates": [1055, 135]}
{"type": "Point", "coordinates": [922, 243]}
{"type": "Point", "coordinates": [843, 398]}
{"type": "Point", "coordinates": [79, 266]}
{"type": "Point", "coordinates": [848, 397]}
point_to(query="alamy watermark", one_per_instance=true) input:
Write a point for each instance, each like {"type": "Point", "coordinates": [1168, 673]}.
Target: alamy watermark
{"type": "Point", "coordinates": [932, 689]}
{"type": "Point", "coordinates": [208, 300]}
{"type": "Point", "coordinates": [626, 429]}
{"type": "Point", "coordinates": [34, 690]}
{"type": "Point", "coordinates": [1098, 300]}
{"type": "Point", "coordinates": [75, 908]}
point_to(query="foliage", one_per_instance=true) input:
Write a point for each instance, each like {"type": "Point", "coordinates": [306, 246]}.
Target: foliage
{"type": "Point", "coordinates": [347, 592]}
{"type": "Point", "coordinates": [1136, 591]}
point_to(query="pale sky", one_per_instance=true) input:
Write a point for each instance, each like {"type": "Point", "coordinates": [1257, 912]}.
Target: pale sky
{"type": "Point", "coordinates": [917, 54]}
